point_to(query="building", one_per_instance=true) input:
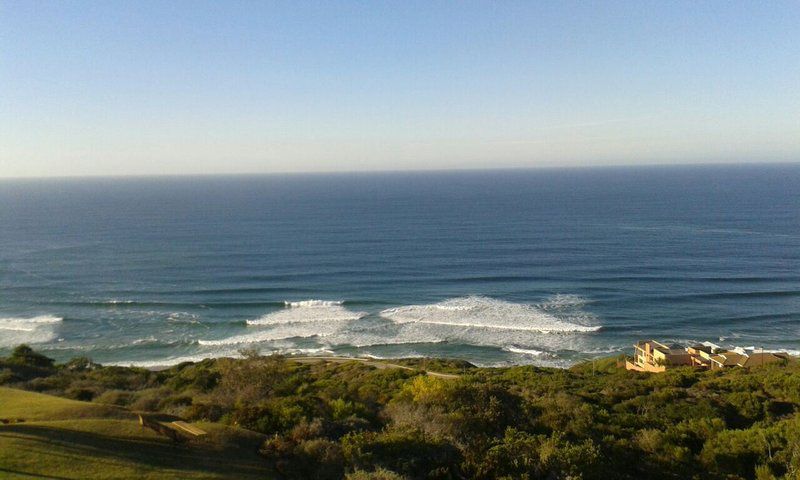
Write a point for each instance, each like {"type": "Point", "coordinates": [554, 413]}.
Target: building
{"type": "Point", "coordinates": [746, 359]}
{"type": "Point", "coordinates": [653, 356]}
{"type": "Point", "coordinates": [701, 354]}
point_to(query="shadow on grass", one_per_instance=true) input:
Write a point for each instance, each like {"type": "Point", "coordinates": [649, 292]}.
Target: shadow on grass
{"type": "Point", "coordinates": [28, 474]}
{"type": "Point", "coordinates": [155, 453]}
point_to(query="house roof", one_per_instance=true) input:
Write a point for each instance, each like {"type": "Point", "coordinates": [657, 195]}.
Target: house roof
{"type": "Point", "coordinates": [654, 345]}
{"type": "Point", "coordinates": [702, 348]}
{"type": "Point", "coordinates": [762, 358]}
{"type": "Point", "coordinates": [729, 359]}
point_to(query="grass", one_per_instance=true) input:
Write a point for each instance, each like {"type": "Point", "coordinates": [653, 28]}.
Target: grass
{"type": "Point", "coordinates": [66, 439]}
{"type": "Point", "coordinates": [33, 406]}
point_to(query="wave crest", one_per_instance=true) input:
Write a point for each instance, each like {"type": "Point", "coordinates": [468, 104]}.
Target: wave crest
{"type": "Point", "coordinates": [303, 319]}
{"type": "Point", "coordinates": [525, 351]}
{"type": "Point", "coordinates": [308, 311]}
{"type": "Point", "coordinates": [278, 332]}
{"type": "Point", "coordinates": [313, 303]}
{"type": "Point", "coordinates": [18, 330]}
{"type": "Point", "coordinates": [490, 313]}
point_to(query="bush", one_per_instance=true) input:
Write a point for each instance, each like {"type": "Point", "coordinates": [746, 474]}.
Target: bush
{"type": "Point", "coordinates": [379, 474]}
{"type": "Point", "coordinates": [522, 455]}
{"type": "Point", "coordinates": [7, 376]}
{"type": "Point", "coordinates": [405, 452]}
{"type": "Point", "coordinates": [204, 411]}
{"type": "Point", "coordinates": [315, 458]}
{"type": "Point", "coordinates": [146, 401]}
{"type": "Point", "coordinates": [198, 377]}
{"type": "Point", "coordinates": [180, 400]}
{"type": "Point", "coordinates": [80, 364]}
{"type": "Point", "coordinates": [24, 355]}
{"type": "Point", "coordinates": [115, 397]}
{"type": "Point", "coordinates": [81, 393]}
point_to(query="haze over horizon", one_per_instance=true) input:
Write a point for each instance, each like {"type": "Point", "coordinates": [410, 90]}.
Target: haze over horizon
{"type": "Point", "coordinates": [147, 88]}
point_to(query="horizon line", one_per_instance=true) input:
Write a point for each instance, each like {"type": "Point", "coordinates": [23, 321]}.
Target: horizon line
{"type": "Point", "coordinates": [772, 163]}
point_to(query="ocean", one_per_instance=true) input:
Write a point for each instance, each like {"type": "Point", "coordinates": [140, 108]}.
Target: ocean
{"type": "Point", "coordinates": [545, 267]}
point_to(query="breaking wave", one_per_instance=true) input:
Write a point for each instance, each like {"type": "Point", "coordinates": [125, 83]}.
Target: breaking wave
{"type": "Point", "coordinates": [304, 319]}
{"type": "Point", "coordinates": [171, 361]}
{"type": "Point", "coordinates": [308, 311]}
{"type": "Point", "coordinates": [165, 362]}
{"type": "Point", "coordinates": [313, 303]}
{"type": "Point", "coordinates": [183, 317]}
{"type": "Point", "coordinates": [16, 330]}
{"type": "Point", "coordinates": [304, 351]}
{"type": "Point", "coordinates": [490, 313]}
{"type": "Point", "coordinates": [534, 332]}
{"type": "Point", "coordinates": [524, 351]}
{"type": "Point", "coordinates": [558, 324]}
{"type": "Point", "coordinates": [279, 332]}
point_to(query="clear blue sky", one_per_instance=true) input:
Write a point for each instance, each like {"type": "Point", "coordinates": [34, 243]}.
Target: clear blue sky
{"type": "Point", "coordinates": [109, 87]}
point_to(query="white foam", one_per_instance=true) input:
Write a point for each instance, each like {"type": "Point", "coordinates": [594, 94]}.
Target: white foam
{"type": "Point", "coordinates": [305, 319]}
{"type": "Point", "coordinates": [182, 317]}
{"type": "Point", "coordinates": [602, 351]}
{"type": "Point", "coordinates": [304, 351]}
{"type": "Point", "coordinates": [357, 335]}
{"type": "Point", "coordinates": [481, 322]}
{"type": "Point", "coordinates": [411, 354]}
{"type": "Point", "coordinates": [27, 324]}
{"type": "Point", "coordinates": [524, 351]}
{"type": "Point", "coordinates": [217, 353]}
{"type": "Point", "coordinates": [313, 303]}
{"type": "Point", "coordinates": [278, 332]}
{"type": "Point", "coordinates": [308, 311]}
{"type": "Point", "coordinates": [388, 335]}
{"type": "Point", "coordinates": [17, 330]}
{"type": "Point", "coordinates": [490, 313]}
{"type": "Point", "coordinates": [168, 362]}
{"type": "Point", "coordinates": [534, 332]}
{"type": "Point", "coordinates": [562, 301]}
{"type": "Point", "coordinates": [792, 352]}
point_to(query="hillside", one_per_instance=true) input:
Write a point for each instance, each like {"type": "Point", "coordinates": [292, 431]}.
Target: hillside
{"type": "Point", "coordinates": [332, 418]}
{"type": "Point", "coordinates": [59, 438]}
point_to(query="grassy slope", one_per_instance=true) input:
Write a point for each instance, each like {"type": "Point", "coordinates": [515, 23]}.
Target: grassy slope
{"type": "Point", "coordinates": [68, 439]}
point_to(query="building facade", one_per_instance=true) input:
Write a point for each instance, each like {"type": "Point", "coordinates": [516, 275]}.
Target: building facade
{"type": "Point", "coordinates": [653, 356]}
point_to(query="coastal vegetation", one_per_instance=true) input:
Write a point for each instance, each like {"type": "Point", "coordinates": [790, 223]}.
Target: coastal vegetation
{"type": "Point", "coordinates": [314, 418]}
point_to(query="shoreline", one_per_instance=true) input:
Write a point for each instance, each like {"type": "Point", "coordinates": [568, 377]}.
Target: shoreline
{"type": "Point", "coordinates": [156, 366]}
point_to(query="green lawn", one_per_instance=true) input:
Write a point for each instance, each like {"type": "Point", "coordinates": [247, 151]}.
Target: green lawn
{"type": "Point", "coordinates": [66, 439]}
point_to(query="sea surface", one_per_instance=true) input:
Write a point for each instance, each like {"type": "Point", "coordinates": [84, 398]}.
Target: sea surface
{"type": "Point", "coordinates": [496, 267]}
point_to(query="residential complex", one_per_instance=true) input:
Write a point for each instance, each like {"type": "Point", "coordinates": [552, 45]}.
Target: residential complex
{"type": "Point", "coordinates": [653, 356]}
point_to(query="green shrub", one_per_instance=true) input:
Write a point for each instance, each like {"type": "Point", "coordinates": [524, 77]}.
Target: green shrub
{"type": "Point", "coordinates": [314, 458]}
{"type": "Point", "coordinates": [209, 412]}
{"type": "Point", "coordinates": [146, 401]}
{"type": "Point", "coordinates": [409, 453]}
{"type": "Point", "coordinates": [379, 474]}
{"type": "Point", "coordinates": [24, 355]}
{"type": "Point", "coordinates": [115, 397]}
{"type": "Point", "coordinates": [81, 393]}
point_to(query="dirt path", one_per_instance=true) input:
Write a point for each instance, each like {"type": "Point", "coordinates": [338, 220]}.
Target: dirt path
{"type": "Point", "coordinates": [373, 363]}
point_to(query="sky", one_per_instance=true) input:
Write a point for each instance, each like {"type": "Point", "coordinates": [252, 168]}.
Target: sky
{"type": "Point", "coordinates": [194, 87]}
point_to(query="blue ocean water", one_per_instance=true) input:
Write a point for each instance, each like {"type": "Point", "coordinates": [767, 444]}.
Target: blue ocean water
{"type": "Point", "coordinates": [497, 267]}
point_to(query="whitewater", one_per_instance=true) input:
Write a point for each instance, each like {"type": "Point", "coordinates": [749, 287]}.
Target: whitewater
{"type": "Point", "coordinates": [475, 320]}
